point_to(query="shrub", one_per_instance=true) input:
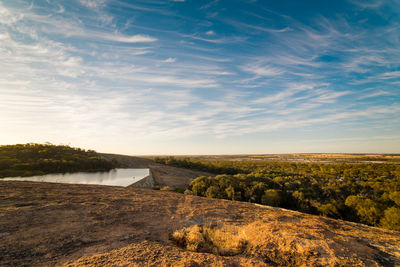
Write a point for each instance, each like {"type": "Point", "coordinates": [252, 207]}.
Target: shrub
{"type": "Point", "coordinates": [201, 238]}
{"type": "Point", "coordinates": [395, 197]}
{"type": "Point", "coordinates": [179, 190]}
{"type": "Point", "coordinates": [329, 210]}
{"type": "Point", "coordinates": [391, 219]}
{"type": "Point", "coordinates": [367, 210]}
{"type": "Point", "coordinates": [213, 192]}
{"type": "Point", "coordinates": [272, 197]}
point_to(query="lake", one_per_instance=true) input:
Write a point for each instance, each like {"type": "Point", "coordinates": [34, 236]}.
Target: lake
{"type": "Point", "coordinates": [115, 177]}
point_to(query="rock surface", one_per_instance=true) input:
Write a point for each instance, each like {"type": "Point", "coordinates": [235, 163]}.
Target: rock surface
{"type": "Point", "coordinates": [75, 225]}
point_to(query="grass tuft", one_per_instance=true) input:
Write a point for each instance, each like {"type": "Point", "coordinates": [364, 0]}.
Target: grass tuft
{"type": "Point", "coordinates": [201, 238]}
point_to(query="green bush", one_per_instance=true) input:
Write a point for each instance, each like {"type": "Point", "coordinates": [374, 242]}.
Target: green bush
{"type": "Point", "coordinates": [391, 219]}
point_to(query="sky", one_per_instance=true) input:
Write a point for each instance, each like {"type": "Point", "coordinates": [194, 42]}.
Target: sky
{"type": "Point", "coordinates": [202, 76]}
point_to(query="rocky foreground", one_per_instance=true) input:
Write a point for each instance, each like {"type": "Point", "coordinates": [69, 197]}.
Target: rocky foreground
{"type": "Point", "coordinates": [45, 224]}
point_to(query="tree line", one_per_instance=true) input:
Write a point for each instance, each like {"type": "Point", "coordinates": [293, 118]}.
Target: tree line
{"type": "Point", "coordinates": [366, 193]}
{"type": "Point", "coordinates": [38, 159]}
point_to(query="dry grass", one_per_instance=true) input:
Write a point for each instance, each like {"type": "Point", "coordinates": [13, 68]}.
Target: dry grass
{"type": "Point", "coordinates": [166, 188]}
{"type": "Point", "coordinates": [201, 238]}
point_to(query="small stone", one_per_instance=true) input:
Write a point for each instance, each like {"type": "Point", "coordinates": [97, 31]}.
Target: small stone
{"type": "Point", "coordinates": [4, 234]}
{"type": "Point", "coordinates": [125, 237]}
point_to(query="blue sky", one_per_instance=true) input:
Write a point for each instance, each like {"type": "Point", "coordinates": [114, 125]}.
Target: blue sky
{"type": "Point", "coordinates": [201, 77]}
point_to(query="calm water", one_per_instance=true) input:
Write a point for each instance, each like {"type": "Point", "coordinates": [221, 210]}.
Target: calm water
{"type": "Point", "coordinates": [118, 177]}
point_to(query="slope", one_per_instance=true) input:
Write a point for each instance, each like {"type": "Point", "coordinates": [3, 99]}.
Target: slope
{"type": "Point", "coordinates": [56, 224]}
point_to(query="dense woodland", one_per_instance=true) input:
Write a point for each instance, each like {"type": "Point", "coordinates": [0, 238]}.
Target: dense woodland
{"type": "Point", "coordinates": [364, 192]}
{"type": "Point", "coordinates": [38, 159]}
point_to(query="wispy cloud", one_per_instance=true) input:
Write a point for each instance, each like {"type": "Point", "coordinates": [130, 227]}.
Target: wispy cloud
{"type": "Point", "coordinates": [215, 41]}
{"type": "Point", "coordinates": [93, 3]}
{"type": "Point", "coordinates": [242, 25]}
{"type": "Point", "coordinates": [390, 75]}
{"type": "Point", "coordinates": [61, 9]}
{"type": "Point", "coordinates": [169, 60]}
{"type": "Point", "coordinates": [262, 70]}
{"type": "Point", "coordinates": [140, 52]}
{"type": "Point", "coordinates": [330, 97]}
{"type": "Point", "coordinates": [373, 4]}
{"type": "Point", "coordinates": [69, 70]}
{"type": "Point", "coordinates": [7, 17]}
{"type": "Point", "coordinates": [138, 38]}
{"type": "Point", "coordinates": [211, 3]}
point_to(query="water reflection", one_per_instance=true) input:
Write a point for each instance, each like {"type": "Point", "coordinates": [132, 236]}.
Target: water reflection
{"type": "Point", "coordinates": [116, 177]}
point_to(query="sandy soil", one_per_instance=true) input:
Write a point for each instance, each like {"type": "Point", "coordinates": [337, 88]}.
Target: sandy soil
{"type": "Point", "coordinates": [43, 224]}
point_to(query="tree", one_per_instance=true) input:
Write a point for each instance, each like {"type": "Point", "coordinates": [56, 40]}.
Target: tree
{"type": "Point", "coordinates": [230, 192]}
{"type": "Point", "coordinates": [257, 191]}
{"type": "Point", "coordinates": [330, 210]}
{"type": "Point", "coordinates": [272, 197]}
{"type": "Point", "coordinates": [391, 219]}
{"type": "Point", "coordinates": [213, 192]}
{"type": "Point", "coordinates": [395, 196]}
{"type": "Point", "coordinates": [368, 211]}
{"type": "Point", "coordinates": [199, 186]}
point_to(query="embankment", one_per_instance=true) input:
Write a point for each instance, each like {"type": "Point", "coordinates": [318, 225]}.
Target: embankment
{"type": "Point", "coordinates": [145, 182]}
{"type": "Point", "coordinates": [162, 175]}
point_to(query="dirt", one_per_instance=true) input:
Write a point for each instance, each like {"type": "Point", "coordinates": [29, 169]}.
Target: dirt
{"type": "Point", "coordinates": [47, 224]}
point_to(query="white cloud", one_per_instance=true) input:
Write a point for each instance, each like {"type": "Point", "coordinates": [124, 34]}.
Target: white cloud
{"type": "Point", "coordinates": [71, 28]}
{"type": "Point", "coordinates": [7, 17]}
{"type": "Point", "coordinates": [330, 97]}
{"type": "Point", "coordinates": [210, 32]}
{"type": "Point", "coordinates": [313, 92]}
{"type": "Point", "coordinates": [375, 94]}
{"type": "Point", "coordinates": [390, 75]}
{"type": "Point", "coordinates": [61, 9]}
{"type": "Point", "coordinates": [93, 3]}
{"type": "Point", "coordinates": [169, 60]}
{"type": "Point", "coordinates": [242, 25]}
{"type": "Point", "coordinates": [269, 99]}
{"type": "Point", "coordinates": [138, 38]}
{"type": "Point", "coordinates": [140, 52]}
{"type": "Point", "coordinates": [372, 4]}
{"type": "Point", "coordinates": [215, 41]}
{"type": "Point", "coordinates": [171, 80]}
{"type": "Point", "coordinates": [210, 4]}
{"type": "Point", "coordinates": [262, 70]}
